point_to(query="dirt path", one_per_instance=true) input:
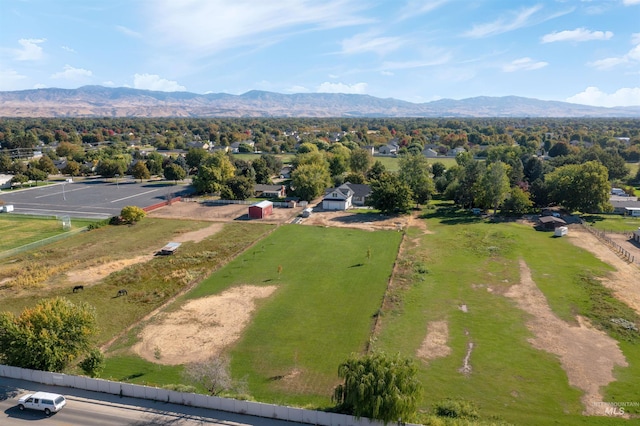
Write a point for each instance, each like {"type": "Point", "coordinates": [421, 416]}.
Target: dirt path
{"type": "Point", "coordinates": [587, 355]}
{"type": "Point", "coordinates": [625, 280]}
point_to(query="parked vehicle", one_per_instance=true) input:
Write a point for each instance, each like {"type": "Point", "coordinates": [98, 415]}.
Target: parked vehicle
{"type": "Point", "coordinates": [43, 401]}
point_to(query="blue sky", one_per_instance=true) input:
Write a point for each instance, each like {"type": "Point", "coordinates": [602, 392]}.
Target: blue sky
{"type": "Point", "coordinates": [582, 51]}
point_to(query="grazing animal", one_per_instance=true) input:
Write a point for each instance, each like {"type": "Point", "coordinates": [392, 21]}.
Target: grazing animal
{"type": "Point", "coordinates": [122, 292]}
{"type": "Point", "coordinates": [78, 288]}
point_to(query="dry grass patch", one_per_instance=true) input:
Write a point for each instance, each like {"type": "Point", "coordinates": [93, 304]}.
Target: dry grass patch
{"type": "Point", "coordinates": [435, 344]}
{"type": "Point", "coordinates": [201, 328]}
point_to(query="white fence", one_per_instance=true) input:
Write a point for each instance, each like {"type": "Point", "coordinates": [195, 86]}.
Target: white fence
{"type": "Point", "coordinates": [259, 409]}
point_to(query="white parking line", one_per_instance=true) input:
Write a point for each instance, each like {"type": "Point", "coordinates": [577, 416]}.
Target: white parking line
{"type": "Point", "coordinates": [136, 195]}
{"type": "Point", "coordinates": [66, 191]}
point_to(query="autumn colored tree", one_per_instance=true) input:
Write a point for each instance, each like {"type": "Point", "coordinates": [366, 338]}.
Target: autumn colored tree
{"type": "Point", "coordinates": [48, 336]}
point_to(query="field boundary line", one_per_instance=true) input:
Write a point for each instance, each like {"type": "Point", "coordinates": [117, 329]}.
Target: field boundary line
{"type": "Point", "coordinates": [44, 241]}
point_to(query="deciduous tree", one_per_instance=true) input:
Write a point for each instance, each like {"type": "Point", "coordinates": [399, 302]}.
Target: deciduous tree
{"type": "Point", "coordinates": [132, 214]}
{"type": "Point", "coordinates": [212, 374]}
{"type": "Point", "coordinates": [390, 195]}
{"type": "Point", "coordinates": [213, 172]}
{"type": "Point", "coordinates": [493, 186]}
{"type": "Point", "coordinates": [360, 161]}
{"type": "Point", "coordinates": [174, 172]}
{"type": "Point", "coordinates": [310, 180]}
{"type": "Point", "coordinates": [140, 171]}
{"type": "Point", "coordinates": [48, 336]}
{"type": "Point", "coordinates": [582, 187]}
{"type": "Point", "coordinates": [415, 172]}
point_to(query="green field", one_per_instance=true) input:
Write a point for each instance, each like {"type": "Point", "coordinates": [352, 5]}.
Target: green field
{"type": "Point", "coordinates": [613, 222]}
{"type": "Point", "coordinates": [19, 230]}
{"type": "Point", "coordinates": [330, 287]}
{"type": "Point", "coordinates": [510, 379]}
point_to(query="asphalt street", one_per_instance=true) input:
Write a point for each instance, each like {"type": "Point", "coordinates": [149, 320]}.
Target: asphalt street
{"type": "Point", "coordinates": [91, 198]}
{"type": "Point", "coordinates": [86, 408]}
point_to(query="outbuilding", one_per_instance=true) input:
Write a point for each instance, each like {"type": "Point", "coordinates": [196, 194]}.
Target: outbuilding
{"type": "Point", "coordinates": [260, 210]}
{"type": "Point", "coordinates": [550, 223]}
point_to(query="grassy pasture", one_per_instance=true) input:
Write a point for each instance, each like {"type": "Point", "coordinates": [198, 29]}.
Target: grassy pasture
{"type": "Point", "coordinates": [149, 283]}
{"type": "Point", "coordinates": [510, 379]}
{"type": "Point", "coordinates": [328, 293]}
{"type": "Point", "coordinates": [613, 222]}
{"type": "Point", "coordinates": [19, 230]}
{"type": "Point", "coordinates": [329, 290]}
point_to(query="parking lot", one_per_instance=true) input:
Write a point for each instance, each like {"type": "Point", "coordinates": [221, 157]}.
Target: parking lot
{"type": "Point", "coordinates": [91, 198]}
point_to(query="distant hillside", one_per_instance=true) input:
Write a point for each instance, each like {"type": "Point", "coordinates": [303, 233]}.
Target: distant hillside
{"type": "Point", "coordinates": [98, 101]}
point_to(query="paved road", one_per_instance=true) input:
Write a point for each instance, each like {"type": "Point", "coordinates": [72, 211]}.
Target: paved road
{"type": "Point", "coordinates": [91, 198]}
{"type": "Point", "coordinates": [85, 408]}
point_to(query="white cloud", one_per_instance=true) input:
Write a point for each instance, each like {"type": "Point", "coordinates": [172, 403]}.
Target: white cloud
{"type": "Point", "coordinates": [415, 8]}
{"type": "Point", "coordinates": [366, 42]}
{"type": "Point", "coordinates": [72, 74]}
{"type": "Point", "coordinates": [154, 82]}
{"type": "Point", "coordinates": [31, 51]}
{"type": "Point", "coordinates": [358, 88]}
{"type": "Point", "coordinates": [630, 2]}
{"type": "Point", "coordinates": [297, 89]}
{"type": "Point", "coordinates": [109, 83]}
{"type": "Point", "coordinates": [128, 32]}
{"type": "Point", "coordinates": [214, 25]}
{"type": "Point", "coordinates": [503, 24]}
{"type": "Point", "coordinates": [579, 34]}
{"type": "Point", "coordinates": [631, 57]}
{"type": "Point", "coordinates": [68, 49]}
{"type": "Point", "coordinates": [635, 38]}
{"type": "Point", "coordinates": [523, 64]}
{"type": "Point", "coordinates": [627, 96]}
{"type": "Point", "coordinates": [386, 73]}
{"type": "Point", "coordinates": [439, 59]}
{"type": "Point", "coordinates": [10, 79]}
{"type": "Point", "coordinates": [39, 86]}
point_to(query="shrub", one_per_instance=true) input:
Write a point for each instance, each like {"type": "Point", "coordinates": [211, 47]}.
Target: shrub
{"type": "Point", "coordinates": [456, 408]}
{"type": "Point", "coordinates": [132, 214]}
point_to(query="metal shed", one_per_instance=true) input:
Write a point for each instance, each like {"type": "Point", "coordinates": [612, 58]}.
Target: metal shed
{"type": "Point", "coordinates": [260, 210]}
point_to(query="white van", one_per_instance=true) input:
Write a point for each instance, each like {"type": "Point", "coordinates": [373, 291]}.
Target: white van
{"type": "Point", "coordinates": [43, 401]}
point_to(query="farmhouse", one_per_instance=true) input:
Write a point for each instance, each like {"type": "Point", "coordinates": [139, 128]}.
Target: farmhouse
{"type": "Point", "coordinates": [340, 198]}
{"type": "Point", "coordinates": [346, 196]}
{"type": "Point", "coordinates": [270, 191]}
{"type": "Point", "coordinates": [621, 204]}
{"type": "Point", "coordinates": [260, 210]}
{"type": "Point", "coordinates": [389, 149]}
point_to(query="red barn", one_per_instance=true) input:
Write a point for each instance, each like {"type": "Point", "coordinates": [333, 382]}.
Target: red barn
{"type": "Point", "coordinates": [260, 210]}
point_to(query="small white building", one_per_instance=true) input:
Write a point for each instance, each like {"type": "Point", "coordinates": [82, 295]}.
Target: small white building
{"type": "Point", "coordinates": [5, 181]}
{"type": "Point", "coordinates": [632, 211]}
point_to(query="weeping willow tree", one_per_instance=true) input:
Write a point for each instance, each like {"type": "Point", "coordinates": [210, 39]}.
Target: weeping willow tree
{"type": "Point", "coordinates": [378, 386]}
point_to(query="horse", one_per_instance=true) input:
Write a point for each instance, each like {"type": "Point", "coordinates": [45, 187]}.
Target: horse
{"type": "Point", "coordinates": [78, 288]}
{"type": "Point", "coordinates": [122, 292]}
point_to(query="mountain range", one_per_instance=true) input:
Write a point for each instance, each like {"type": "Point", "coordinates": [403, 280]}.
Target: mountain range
{"type": "Point", "coordinates": [99, 101]}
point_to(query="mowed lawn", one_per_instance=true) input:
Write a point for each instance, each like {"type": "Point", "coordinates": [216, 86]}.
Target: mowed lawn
{"type": "Point", "coordinates": [466, 261]}
{"type": "Point", "coordinates": [19, 230]}
{"type": "Point", "coordinates": [330, 287]}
